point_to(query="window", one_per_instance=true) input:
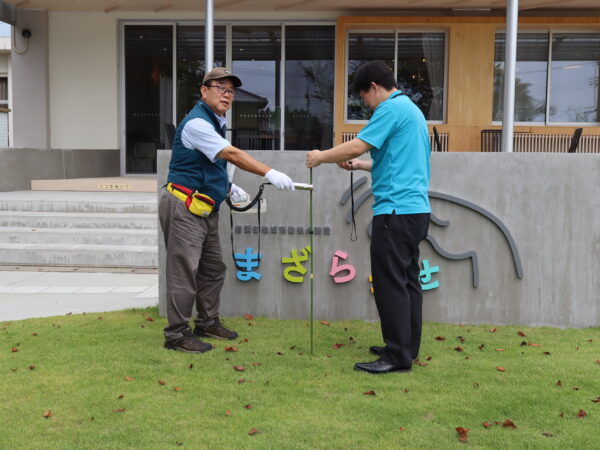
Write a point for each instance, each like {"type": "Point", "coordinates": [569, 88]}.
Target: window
{"type": "Point", "coordinates": [190, 64]}
{"type": "Point", "coordinates": [285, 102]}
{"type": "Point", "coordinates": [574, 93]}
{"type": "Point", "coordinates": [556, 77]}
{"type": "Point", "coordinates": [418, 60]}
{"type": "Point", "coordinates": [309, 74]}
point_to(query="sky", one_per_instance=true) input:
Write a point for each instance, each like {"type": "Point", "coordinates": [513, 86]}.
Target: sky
{"type": "Point", "coordinates": [4, 29]}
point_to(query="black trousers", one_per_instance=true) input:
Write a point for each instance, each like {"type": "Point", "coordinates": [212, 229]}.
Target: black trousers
{"type": "Point", "coordinates": [395, 269]}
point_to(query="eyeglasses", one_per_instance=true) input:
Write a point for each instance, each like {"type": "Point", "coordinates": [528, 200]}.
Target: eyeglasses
{"type": "Point", "coordinates": [222, 90]}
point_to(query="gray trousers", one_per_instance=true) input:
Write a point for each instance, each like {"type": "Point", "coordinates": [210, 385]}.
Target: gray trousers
{"type": "Point", "coordinates": [195, 268]}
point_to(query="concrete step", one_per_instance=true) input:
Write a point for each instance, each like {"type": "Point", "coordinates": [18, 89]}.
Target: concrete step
{"type": "Point", "coordinates": [79, 202]}
{"type": "Point", "coordinates": [109, 184]}
{"type": "Point", "coordinates": [78, 220]}
{"type": "Point", "coordinates": [80, 255]}
{"type": "Point", "coordinates": [97, 236]}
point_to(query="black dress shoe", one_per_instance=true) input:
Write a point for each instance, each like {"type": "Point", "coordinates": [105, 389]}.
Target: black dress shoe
{"type": "Point", "coordinates": [379, 366]}
{"type": "Point", "coordinates": [375, 350]}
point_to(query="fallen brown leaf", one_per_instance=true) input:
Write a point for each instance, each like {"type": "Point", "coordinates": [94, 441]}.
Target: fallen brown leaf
{"type": "Point", "coordinates": [325, 322]}
{"type": "Point", "coordinates": [596, 400]}
{"type": "Point", "coordinates": [128, 379]}
{"type": "Point", "coordinates": [598, 361]}
{"type": "Point", "coordinates": [533, 344]}
{"type": "Point", "coordinates": [119, 410]}
{"type": "Point", "coordinates": [462, 433]}
{"type": "Point", "coordinates": [252, 432]}
{"type": "Point", "coordinates": [14, 349]}
{"type": "Point", "coordinates": [461, 339]}
{"type": "Point", "coordinates": [500, 350]}
{"type": "Point", "coordinates": [233, 348]}
{"type": "Point", "coordinates": [280, 353]}
{"type": "Point", "coordinates": [149, 319]}
{"type": "Point", "coordinates": [31, 367]}
{"type": "Point", "coordinates": [161, 382]}
{"type": "Point", "coordinates": [228, 412]}
{"type": "Point", "coordinates": [575, 388]}
{"type": "Point", "coordinates": [34, 334]}
{"type": "Point", "coordinates": [481, 346]}
{"type": "Point", "coordinates": [248, 406]}
{"type": "Point", "coordinates": [486, 424]}
{"type": "Point", "coordinates": [420, 363]}
{"type": "Point", "coordinates": [337, 346]}
{"type": "Point", "coordinates": [369, 393]}
{"type": "Point", "coordinates": [239, 368]}
{"type": "Point", "coordinates": [500, 369]}
{"type": "Point", "coordinates": [547, 353]}
{"type": "Point", "coordinates": [241, 380]}
{"type": "Point", "coordinates": [48, 414]}
{"type": "Point", "coordinates": [459, 349]}
{"type": "Point", "coordinates": [520, 333]}
{"type": "Point", "coordinates": [176, 388]}
{"type": "Point", "coordinates": [581, 414]}
{"type": "Point", "coordinates": [249, 317]}
{"type": "Point", "coordinates": [562, 414]}
{"type": "Point", "coordinates": [256, 364]}
{"type": "Point", "coordinates": [120, 397]}
{"type": "Point", "coordinates": [191, 366]}
{"type": "Point", "coordinates": [402, 428]}
{"type": "Point", "coordinates": [492, 330]}
{"type": "Point", "coordinates": [508, 424]}
{"type": "Point", "coordinates": [559, 383]}
{"type": "Point", "coordinates": [245, 340]}
{"type": "Point", "coordinates": [440, 338]}
{"type": "Point", "coordinates": [547, 434]}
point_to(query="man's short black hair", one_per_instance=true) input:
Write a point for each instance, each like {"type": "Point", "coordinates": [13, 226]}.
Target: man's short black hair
{"type": "Point", "coordinates": [373, 72]}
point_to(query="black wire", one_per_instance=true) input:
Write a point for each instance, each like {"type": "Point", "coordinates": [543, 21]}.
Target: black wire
{"type": "Point", "coordinates": [257, 198]}
{"type": "Point", "coordinates": [353, 235]}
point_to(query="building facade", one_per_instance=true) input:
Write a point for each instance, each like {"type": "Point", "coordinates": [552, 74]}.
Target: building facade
{"type": "Point", "coordinates": [109, 77]}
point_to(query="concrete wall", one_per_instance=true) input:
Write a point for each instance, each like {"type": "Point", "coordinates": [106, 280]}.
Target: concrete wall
{"type": "Point", "coordinates": [21, 165]}
{"type": "Point", "coordinates": [84, 108]}
{"type": "Point", "coordinates": [30, 100]}
{"type": "Point", "coordinates": [545, 201]}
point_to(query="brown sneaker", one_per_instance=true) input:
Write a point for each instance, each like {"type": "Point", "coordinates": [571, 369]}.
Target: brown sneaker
{"type": "Point", "coordinates": [216, 330]}
{"type": "Point", "coordinates": [188, 344]}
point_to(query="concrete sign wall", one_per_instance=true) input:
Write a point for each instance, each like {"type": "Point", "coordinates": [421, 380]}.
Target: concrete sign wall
{"type": "Point", "coordinates": [514, 239]}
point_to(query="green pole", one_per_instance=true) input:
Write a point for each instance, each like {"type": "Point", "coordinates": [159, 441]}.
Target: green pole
{"type": "Point", "coordinates": [312, 257]}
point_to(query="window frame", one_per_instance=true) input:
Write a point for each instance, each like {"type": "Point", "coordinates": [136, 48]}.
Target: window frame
{"type": "Point", "coordinates": [228, 24]}
{"type": "Point", "coordinates": [395, 30]}
{"type": "Point", "coordinates": [547, 121]}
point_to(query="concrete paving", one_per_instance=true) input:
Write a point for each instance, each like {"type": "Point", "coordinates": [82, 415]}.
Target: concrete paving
{"type": "Point", "coordinates": [42, 292]}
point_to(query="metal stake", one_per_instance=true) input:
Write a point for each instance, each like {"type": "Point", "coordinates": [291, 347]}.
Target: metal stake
{"type": "Point", "coordinates": [312, 258]}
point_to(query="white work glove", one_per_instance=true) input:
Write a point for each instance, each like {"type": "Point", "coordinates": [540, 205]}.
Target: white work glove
{"type": "Point", "coordinates": [280, 180]}
{"type": "Point", "coordinates": [237, 194]}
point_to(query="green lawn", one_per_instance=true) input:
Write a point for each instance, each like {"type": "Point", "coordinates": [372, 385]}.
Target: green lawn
{"type": "Point", "coordinates": [101, 375]}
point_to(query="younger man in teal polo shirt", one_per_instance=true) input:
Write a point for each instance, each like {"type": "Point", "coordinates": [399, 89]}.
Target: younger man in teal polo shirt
{"type": "Point", "coordinates": [398, 140]}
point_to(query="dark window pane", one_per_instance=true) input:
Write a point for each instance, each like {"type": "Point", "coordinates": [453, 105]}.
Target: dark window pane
{"type": "Point", "coordinates": [421, 71]}
{"type": "Point", "coordinates": [530, 77]}
{"type": "Point", "coordinates": [309, 73]}
{"type": "Point", "coordinates": [256, 54]}
{"type": "Point", "coordinates": [190, 63]}
{"type": "Point", "coordinates": [362, 48]}
{"type": "Point", "coordinates": [574, 93]}
{"type": "Point", "coordinates": [148, 93]}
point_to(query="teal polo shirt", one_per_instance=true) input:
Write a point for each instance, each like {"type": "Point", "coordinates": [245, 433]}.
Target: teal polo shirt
{"type": "Point", "coordinates": [398, 135]}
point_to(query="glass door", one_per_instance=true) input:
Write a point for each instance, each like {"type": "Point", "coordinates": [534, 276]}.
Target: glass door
{"type": "Point", "coordinates": [256, 112]}
{"type": "Point", "coordinates": [148, 57]}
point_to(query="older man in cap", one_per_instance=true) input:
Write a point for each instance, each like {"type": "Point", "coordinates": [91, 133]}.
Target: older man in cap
{"type": "Point", "coordinates": [188, 212]}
